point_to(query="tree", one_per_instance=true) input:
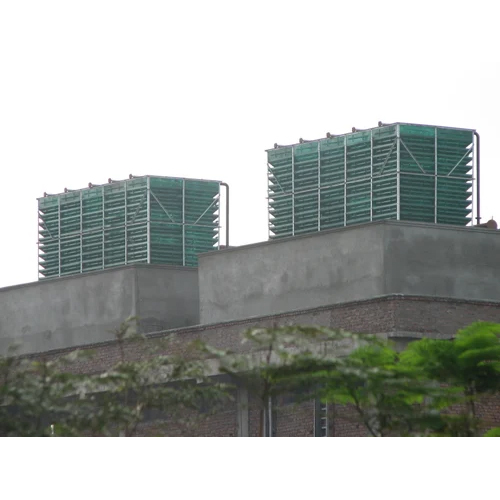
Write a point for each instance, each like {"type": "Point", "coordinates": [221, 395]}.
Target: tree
{"type": "Point", "coordinates": [282, 360]}
{"type": "Point", "coordinates": [390, 397]}
{"type": "Point", "coordinates": [431, 388]}
{"type": "Point", "coordinates": [48, 397]}
{"type": "Point", "coordinates": [470, 365]}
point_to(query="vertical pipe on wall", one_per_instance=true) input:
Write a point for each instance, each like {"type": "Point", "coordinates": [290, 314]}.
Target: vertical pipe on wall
{"type": "Point", "coordinates": [227, 212]}
{"type": "Point", "coordinates": [472, 189]}
{"type": "Point", "coordinates": [478, 173]}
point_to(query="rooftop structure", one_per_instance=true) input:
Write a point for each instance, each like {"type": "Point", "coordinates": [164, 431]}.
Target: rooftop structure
{"type": "Point", "coordinates": [399, 171]}
{"type": "Point", "coordinates": [283, 276]}
{"type": "Point", "coordinates": [153, 220]}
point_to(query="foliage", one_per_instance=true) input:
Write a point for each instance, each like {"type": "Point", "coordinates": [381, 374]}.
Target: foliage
{"type": "Point", "coordinates": [430, 388]}
{"type": "Point", "coordinates": [49, 397]}
{"type": "Point", "coordinates": [470, 364]}
{"type": "Point", "coordinates": [495, 432]}
{"type": "Point", "coordinates": [390, 397]}
{"type": "Point", "coordinates": [420, 391]}
{"type": "Point", "coordinates": [282, 360]}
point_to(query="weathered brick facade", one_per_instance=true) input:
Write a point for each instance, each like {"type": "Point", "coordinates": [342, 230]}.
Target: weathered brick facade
{"type": "Point", "coordinates": [401, 318]}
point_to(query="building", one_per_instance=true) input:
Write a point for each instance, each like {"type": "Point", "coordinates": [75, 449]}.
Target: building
{"type": "Point", "coordinates": [392, 276]}
{"type": "Point", "coordinates": [406, 280]}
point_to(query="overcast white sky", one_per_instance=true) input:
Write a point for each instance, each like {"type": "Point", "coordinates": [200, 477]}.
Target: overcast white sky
{"type": "Point", "coordinates": [97, 89]}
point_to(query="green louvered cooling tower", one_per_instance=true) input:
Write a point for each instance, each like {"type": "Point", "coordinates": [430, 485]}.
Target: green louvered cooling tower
{"type": "Point", "coordinates": [399, 171]}
{"type": "Point", "coordinates": [154, 220]}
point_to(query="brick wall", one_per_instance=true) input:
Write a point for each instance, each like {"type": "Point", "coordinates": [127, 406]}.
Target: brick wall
{"type": "Point", "coordinates": [440, 318]}
{"type": "Point", "coordinates": [399, 317]}
{"type": "Point", "coordinates": [345, 422]}
{"type": "Point", "coordinates": [295, 419]}
{"type": "Point", "coordinates": [224, 423]}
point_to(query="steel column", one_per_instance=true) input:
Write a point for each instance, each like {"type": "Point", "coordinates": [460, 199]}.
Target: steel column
{"type": "Point", "coordinates": [371, 175]}
{"type": "Point", "coordinates": [183, 223]}
{"type": "Point", "coordinates": [268, 202]}
{"type": "Point", "coordinates": [319, 186]}
{"type": "Point", "coordinates": [126, 225]}
{"type": "Point", "coordinates": [435, 176]}
{"type": "Point", "coordinates": [148, 219]}
{"type": "Point", "coordinates": [103, 226]}
{"type": "Point", "coordinates": [81, 233]}
{"type": "Point", "coordinates": [345, 180]}
{"type": "Point", "coordinates": [59, 232]}
{"type": "Point", "coordinates": [293, 191]}
{"type": "Point", "coordinates": [398, 180]}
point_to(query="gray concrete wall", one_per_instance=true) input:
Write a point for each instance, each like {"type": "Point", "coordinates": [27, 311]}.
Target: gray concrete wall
{"type": "Point", "coordinates": [443, 261]}
{"type": "Point", "coordinates": [353, 263]}
{"type": "Point", "coordinates": [292, 274]}
{"type": "Point", "coordinates": [84, 309]}
{"type": "Point", "coordinates": [167, 298]}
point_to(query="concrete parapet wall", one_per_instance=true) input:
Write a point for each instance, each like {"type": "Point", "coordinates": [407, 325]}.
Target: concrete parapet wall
{"type": "Point", "coordinates": [348, 264]}
{"type": "Point", "coordinates": [84, 309]}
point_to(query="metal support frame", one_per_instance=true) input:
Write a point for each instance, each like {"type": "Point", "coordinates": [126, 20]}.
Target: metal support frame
{"type": "Point", "coordinates": [148, 219]}
{"type": "Point", "coordinates": [103, 226]}
{"type": "Point", "coordinates": [411, 154]}
{"type": "Point", "coordinates": [398, 173]}
{"type": "Point", "coordinates": [293, 191]}
{"type": "Point", "coordinates": [371, 175]}
{"type": "Point", "coordinates": [345, 180]}
{"type": "Point", "coordinates": [59, 232]}
{"type": "Point", "coordinates": [393, 141]}
{"type": "Point", "coordinates": [363, 179]}
{"type": "Point", "coordinates": [99, 235]}
{"type": "Point", "coordinates": [467, 153]}
{"type": "Point", "coordinates": [183, 222]}
{"type": "Point", "coordinates": [435, 175]}
{"type": "Point", "coordinates": [472, 185]}
{"type": "Point", "coordinates": [268, 201]}
{"type": "Point", "coordinates": [81, 232]}
{"type": "Point", "coordinates": [387, 158]}
{"type": "Point", "coordinates": [319, 186]}
{"type": "Point", "coordinates": [126, 225]}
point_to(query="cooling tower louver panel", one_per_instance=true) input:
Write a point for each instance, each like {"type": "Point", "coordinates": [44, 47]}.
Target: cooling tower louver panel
{"type": "Point", "coordinates": [397, 171]}
{"type": "Point", "coordinates": [158, 220]}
